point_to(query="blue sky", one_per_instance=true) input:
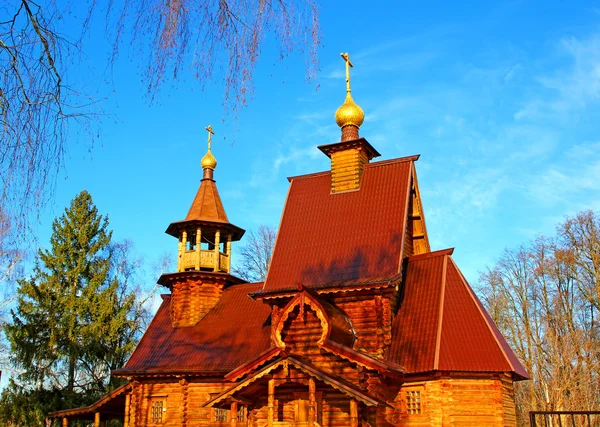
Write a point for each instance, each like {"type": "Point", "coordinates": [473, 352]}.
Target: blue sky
{"type": "Point", "coordinates": [500, 98]}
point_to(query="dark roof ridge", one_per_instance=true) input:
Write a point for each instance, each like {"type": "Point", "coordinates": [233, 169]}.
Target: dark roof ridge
{"type": "Point", "coordinates": [413, 158]}
{"type": "Point", "coordinates": [404, 159]}
{"type": "Point", "coordinates": [432, 254]}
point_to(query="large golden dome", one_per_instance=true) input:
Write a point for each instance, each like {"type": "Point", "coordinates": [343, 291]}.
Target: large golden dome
{"type": "Point", "coordinates": [208, 161]}
{"type": "Point", "coordinates": [349, 113]}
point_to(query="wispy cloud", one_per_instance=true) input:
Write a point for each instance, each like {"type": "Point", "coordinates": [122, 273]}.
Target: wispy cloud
{"type": "Point", "coordinates": [570, 88]}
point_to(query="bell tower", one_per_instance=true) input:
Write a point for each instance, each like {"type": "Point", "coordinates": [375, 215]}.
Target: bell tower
{"type": "Point", "coordinates": [204, 251]}
{"type": "Point", "coordinates": [352, 153]}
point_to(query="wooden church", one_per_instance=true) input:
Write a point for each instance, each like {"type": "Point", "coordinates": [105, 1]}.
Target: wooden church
{"type": "Point", "coordinates": [358, 322]}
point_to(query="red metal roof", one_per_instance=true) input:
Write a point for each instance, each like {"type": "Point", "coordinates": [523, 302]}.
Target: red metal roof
{"type": "Point", "coordinates": [232, 333]}
{"type": "Point", "coordinates": [326, 237]}
{"type": "Point", "coordinates": [207, 204]}
{"type": "Point", "coordinates": [442, 326]}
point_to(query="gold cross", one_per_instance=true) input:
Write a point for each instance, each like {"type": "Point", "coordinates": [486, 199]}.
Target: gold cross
{"type": "Point", "coordinates": [210, 134]}
{"type": "Point", "coordinates": [348, 65]}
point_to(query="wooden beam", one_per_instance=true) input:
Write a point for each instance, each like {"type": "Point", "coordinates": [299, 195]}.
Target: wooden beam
{"type": "Point", "coordinates": [233, 414]}
{"type": "Point", "coordinates": [65, 422]}
{"type": "Point", "coordinates": [353, 413]}
{"type": "Point", "coordinates": [127, 405]}
{"type": "Point", "coordinates": [198, 252]}
{"type": "Point", "coordinates": [312, 403]}
{"type": "Point", "coordinates": [271, 401]}
{"type": "Point", "coordinates": [217, 250]}
{"type": "Point", "coordinates": [97, 419]}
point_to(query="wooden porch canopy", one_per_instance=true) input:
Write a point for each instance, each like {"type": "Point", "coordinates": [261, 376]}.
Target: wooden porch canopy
{"type": "Point", "coordinates": [109, 406]}
{"type": "Point", "coordinates": [337, 383]}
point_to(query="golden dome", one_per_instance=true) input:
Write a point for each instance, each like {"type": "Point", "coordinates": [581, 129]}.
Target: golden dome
{"type": "Point", "coordinates": [208, 161]}
{"type": "Point", "coordinates": [349, 113]}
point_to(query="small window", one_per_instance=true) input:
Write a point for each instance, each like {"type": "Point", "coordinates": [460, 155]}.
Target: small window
{"type": "Point", "coordinates": [157, 410]}
{"type": "Point", "coordinates": [221, 415]}
{"type": "Point", "coordinates": [241, 414]}
{"type": "Point", "coordinates": [413, 402]}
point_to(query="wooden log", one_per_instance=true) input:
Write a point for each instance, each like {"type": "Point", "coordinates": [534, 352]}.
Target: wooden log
{"type": "Point", "coordinates": [353, 413]}
{"type": "Point", "coordinates": [312, 403]}
{"type": "Point", "coordinates": [271, 398]}
{"type": "Point", "coordinates": [127, 406]}
{"type": "Point", "coordinates": [233, 414]}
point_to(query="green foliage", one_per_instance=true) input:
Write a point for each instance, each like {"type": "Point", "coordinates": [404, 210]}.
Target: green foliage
{"type": "Point", "coordinates": [76, 318]}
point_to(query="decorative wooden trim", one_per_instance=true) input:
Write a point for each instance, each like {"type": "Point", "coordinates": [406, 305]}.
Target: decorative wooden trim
{"type": "Point", "coordinates": [420, 206]}
{"type": "Point", "coordinates": [184, 401]}
{"type": "Point", "coordinates": [338, 384]}
{"type": "Point", "coordinates": [264, 357]}
{"type": "Point", "coordinates": [301, 299]}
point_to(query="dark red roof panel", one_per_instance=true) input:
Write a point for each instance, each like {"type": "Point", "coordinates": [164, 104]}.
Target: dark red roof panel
{"type": "Point", "coordinates": [470, 340]}
{"type": "Point", "coordinates": [232, 333]}
{"type": "Point", "coordinates": [415, 326]}
{"type": "Point", "coordinates": [441, 325]}
{"type": "Point", "coordinates": [326, 237]}
{"type": "Point", "coordinates": [207, 204]}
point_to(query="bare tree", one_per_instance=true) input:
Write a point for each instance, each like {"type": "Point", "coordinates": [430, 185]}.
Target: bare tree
{"type": "Point", "coordinates": [544, 298]}
{"type": "Point", "coordinates": [40, 105]}
{"type": "Point", "coordinates": [9, 260]}
{"type": "Point", "coordinates": [255, 255]}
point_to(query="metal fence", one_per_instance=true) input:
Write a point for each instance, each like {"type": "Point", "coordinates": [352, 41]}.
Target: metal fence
{"type": "Point", "coordinates": [564, 419]}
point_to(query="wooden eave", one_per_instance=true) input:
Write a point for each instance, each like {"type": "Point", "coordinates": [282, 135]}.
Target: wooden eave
{"type": "Point", "coordinates": [168, 278]}
{"type": "Point", "coordinates": [87, 412]}
{"type": "Point", "coordinates": [330, 288]}
{"type": "Point", "coordinates": [170, 372]}
{"type": "Point", "coordinates": [436, 375]}
{"type": "Point", "coordinates": [224, 226]}
{"type": "Point", "coordinates": [248, 367]}
{"type": "Point", "coordinates": [338, 384]}
{"type": "Point", "coordinates": [329, 149]}
{"type": "Point", "coordinates": [363, 360]}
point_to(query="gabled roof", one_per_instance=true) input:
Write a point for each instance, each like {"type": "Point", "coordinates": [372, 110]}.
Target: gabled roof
{"type": "Point", "coordinates": [111, 405]}
{"type": "Point", "coordinates": [304, 366]}
{"type": "Point", "coordinates": [328, 238]}
{"type": "Point", "coordinates": [233, 332]}
{"type": "Point", "coordinates": [442, 326]}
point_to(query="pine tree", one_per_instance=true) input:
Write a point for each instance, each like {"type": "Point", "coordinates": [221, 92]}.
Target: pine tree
{"type": "Point", "coordinates": [75, 319]}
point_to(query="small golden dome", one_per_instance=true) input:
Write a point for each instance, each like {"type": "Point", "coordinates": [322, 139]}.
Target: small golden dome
{"type": "Point", "coordinates": [208, 161]}
{"type": "Point", "coordinates": [349, 113]}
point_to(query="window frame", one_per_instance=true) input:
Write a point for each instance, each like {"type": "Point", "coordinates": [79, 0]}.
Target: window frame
{"type": "Point", "coordinates": [409, 407]}
{"type": "Point", "coordinates": [152, 400]}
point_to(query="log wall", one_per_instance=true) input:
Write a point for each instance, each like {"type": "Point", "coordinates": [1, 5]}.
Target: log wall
{"type": "Point", "coordinates": [371, 317]}
{"type": "Point", "coordinates": [347, 169]}
{"type": "Point", "coordinates": [457, 402]}
{"type": "Point", "coordinates": [191, 300]}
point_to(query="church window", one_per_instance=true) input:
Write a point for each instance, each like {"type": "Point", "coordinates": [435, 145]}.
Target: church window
{"type": "Point", "coordinates": [158, 408]}
{"type": "Point", "coordinates": [413, 402]}
{"type": "Point", "coordinates": [221, 415]}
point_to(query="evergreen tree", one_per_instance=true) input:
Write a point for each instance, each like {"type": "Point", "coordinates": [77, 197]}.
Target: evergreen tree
{"type": "Point", "coordinates": [75, 318]}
